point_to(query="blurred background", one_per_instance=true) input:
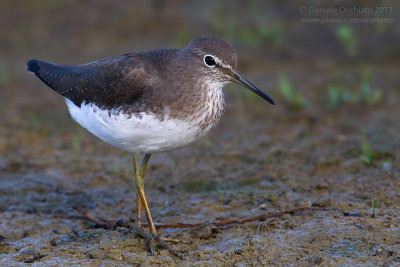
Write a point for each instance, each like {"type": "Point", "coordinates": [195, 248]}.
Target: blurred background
{"type": "Point", "coordinates": [333, 133]}
{"type": "Point", "coordinates": [306, 65]}
{"type": "Point", "coordinates": [312, 63]}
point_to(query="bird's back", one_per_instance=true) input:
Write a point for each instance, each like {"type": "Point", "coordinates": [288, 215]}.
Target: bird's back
{"type": "Point", "coordinates": [112, 83]}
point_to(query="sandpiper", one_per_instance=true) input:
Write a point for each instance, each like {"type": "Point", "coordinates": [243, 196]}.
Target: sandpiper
{"type": "Point", "coordinates": [149, 102]}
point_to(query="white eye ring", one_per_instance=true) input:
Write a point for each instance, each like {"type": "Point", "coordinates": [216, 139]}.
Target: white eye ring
{"type": "Point", "coordinates": [209, 61]}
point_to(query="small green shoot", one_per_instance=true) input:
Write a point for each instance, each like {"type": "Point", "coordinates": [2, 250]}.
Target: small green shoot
{"type": "Point", "coordinates": [334, 97]}
{"type": "Point", "coordinates": [207, 142]}
{"type": "Point", "coordinates": [272, 199]}
{"type": "Point", "coordinates": [290, 96]}
{"type": "Point", "coordinates": [366, 153]}
{"type": "Point", "coordinates": [368, 94]}
{"type": "Point", "coordinates": [220, 194]}
{"type": "Point", "coordinates": [36, 122]}
{"type": "Point", "coordinates": [340, 92]}
{"type": "Point", "coordinates": [77, 140]}
{"type": "Point", "coordinates": [128, 171]}
{"type": "Point", "coordinates": [239, 231]}
{"type": "Point", "coordinates": [348, 39]}
{"type": "Point", "coordinates": [117, 165]}
{"type": "Point", "coordinates": [373, 206]}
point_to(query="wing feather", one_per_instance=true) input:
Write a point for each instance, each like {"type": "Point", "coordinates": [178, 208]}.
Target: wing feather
{"type": "Point", "coordinates": [109, 83]}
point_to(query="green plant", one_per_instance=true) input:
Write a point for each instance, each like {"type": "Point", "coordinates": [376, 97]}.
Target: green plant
{"type": "Point", "coordinates": [290, 96]}
{"type": "Point", "coordinates": [220, 194]}
{"type": "Point", "coordinates": [37, 123]}
{"type": "Point", "coordinates": [117, 165]}
{"type": "Point", "coordinates": [348, 39]}
{"type": "Point", "coordinates": [340, 91]}
{"type": "Point", "coordinates": [207, 142]}
{"type": "Point", "coordinates": [334, 97]}
{"type": "Point", "coordinates": [368, 94]}
{"type": "Point", "coordinates": [239, 231]}
{"type": "Point", "coordinates": [77, 140]}
{"type": "Point", "coordinates": [366, 153]}
{"type": "Point", "coordinates": [373, 206]}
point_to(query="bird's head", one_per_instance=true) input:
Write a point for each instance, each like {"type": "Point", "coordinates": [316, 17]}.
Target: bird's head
{"type": "Point", "coordinates": [216, 61]}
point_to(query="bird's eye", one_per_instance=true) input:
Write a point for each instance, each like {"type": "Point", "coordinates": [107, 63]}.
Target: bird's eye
{"type": "Point", "coordinates": [209, 60]}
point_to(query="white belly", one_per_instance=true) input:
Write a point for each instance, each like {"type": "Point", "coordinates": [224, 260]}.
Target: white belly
{"type": "Point", "coordinates": [137, 133]}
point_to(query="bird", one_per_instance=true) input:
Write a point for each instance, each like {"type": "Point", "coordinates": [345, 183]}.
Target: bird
{"type": "Point", "coordinates": [151, 101]}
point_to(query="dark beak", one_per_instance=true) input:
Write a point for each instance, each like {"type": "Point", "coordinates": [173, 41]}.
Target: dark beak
{"type": "Point", "coordinates": [239, 79]}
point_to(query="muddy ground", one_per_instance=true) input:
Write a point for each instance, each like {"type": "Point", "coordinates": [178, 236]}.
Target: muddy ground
{"type": "Point", "coordinates": [340, 156]}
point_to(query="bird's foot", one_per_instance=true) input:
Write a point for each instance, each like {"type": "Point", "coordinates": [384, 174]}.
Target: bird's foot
{"type": "Point", "coordinates": [160, 241]}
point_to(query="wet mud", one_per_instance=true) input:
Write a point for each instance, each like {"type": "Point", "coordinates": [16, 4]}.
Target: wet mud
{"type": "Point", "coordinates": [271, 160]}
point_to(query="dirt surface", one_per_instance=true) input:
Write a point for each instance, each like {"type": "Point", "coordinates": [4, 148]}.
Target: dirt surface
{"type": "Point", "coordinates": [260, 159]}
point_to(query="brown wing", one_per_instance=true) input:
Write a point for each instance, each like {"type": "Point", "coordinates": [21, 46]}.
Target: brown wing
{"type": "Point", "coordinates": [109, 83]}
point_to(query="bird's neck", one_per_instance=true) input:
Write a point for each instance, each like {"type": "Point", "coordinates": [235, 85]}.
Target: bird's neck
{"type": "Point", "coordinates": [212, 105]}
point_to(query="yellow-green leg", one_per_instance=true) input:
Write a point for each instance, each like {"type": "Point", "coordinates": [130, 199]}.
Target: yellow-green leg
{"type": "Point", "coordinates": [138, 211]}
{"type": "Point", "coordinates": [139, 170]}
{"type": "Point", "coordinates": [141, 201]}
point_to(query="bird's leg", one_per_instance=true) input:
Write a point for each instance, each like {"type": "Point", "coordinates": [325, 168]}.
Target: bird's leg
{"type": "Point", "coordinates": [138, 211]}
{"type": "Point", "coordinates": [142, 167]}
{"type": "Point", "coordinates": [141, 200]}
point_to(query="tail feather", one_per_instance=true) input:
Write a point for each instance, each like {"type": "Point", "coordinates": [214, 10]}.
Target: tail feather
{"type": "Point", "coordinates": [53, 75]}
{"type": "Point", "coordinates": [33, 66]}
{"type": "Point", "coordinates": [44, 71]}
